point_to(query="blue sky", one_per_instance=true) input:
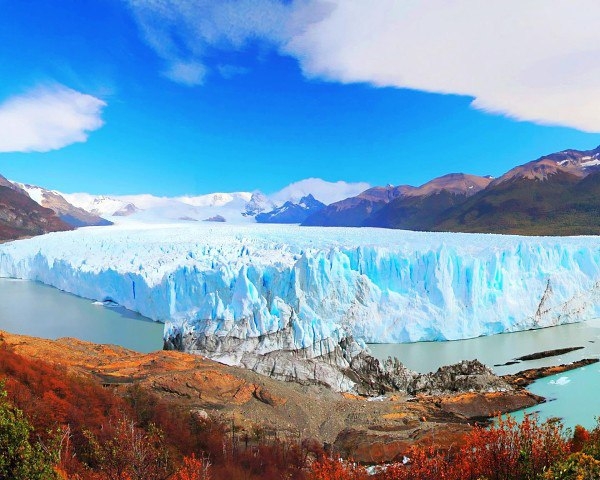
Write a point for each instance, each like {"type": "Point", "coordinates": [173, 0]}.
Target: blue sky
{"type": "Point", "coordinates": [179, 97]}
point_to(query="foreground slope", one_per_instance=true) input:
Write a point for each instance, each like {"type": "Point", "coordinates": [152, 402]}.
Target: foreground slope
{"type": "Point", "coordinates": [193, 386]}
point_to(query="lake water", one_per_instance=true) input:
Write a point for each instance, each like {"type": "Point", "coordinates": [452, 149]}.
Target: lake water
{"type": "Point", "coordinates": [30, 308]}
{"type": "Point", "coordinates": [572, 395]}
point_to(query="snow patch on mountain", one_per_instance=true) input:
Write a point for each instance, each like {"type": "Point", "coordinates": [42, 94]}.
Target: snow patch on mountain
{"type": "Point", "coordinates": [146, 208]}
{"type": "Point", "coordinates": [35, 193]}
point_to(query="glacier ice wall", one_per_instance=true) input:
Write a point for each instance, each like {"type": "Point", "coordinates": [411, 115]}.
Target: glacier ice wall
{"type": "Point", "coordinates": [320, 283]}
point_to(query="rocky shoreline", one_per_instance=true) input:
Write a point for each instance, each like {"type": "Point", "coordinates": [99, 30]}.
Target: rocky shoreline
{"type": "Point", "coordinates": [525, 378]}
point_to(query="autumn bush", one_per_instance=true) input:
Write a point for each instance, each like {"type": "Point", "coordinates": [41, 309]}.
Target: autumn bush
{"type": "Point", "coordinates": [332, 468]}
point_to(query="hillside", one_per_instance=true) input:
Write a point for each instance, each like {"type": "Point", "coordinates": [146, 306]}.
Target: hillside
{"type": "Point", "coordinates": [556, 194]}
{"type": "Point", "coordinates": [407, 207]}
{"type": "Point", "coordinates": [562, 204]}
{"type": "Point", "coordinates": [20, 216]}
{"type": "Point", "coordinates": [191, 388]}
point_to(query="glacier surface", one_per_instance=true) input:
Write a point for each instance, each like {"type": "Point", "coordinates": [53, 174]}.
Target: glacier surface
{"type": "Point", "coordinates": [248, 281]}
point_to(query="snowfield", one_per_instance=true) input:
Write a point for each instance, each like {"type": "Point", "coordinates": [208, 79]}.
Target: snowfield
{"type": "Point", "coordinates": [320, 283]}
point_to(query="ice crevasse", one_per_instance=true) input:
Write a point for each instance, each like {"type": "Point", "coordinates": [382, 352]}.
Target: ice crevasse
{"type": "Point", "coordinates": [247, 281]}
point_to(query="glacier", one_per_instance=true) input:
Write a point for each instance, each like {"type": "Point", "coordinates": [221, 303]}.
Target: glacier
{"type": "Point", "coordinates": [273, 287]}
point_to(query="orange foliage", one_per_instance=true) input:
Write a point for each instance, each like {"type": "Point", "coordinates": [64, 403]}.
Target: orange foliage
{"type": "Point", "coordinates": [328, 468]}
{"type": "Point", "coordinates": [580, 437]}
{"type": "Point", "coordinates": [505, 451]}
{"type": "Point", "coordinates": [424, 464]}
{"type": "Point", "coordinates": [193, 468]}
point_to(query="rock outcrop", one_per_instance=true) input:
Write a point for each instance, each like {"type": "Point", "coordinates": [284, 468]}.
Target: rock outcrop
{"type": "Point", "coordinates": [343, 366]}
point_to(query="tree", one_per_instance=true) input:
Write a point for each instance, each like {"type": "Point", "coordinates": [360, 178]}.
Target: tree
{"type": "Point", "coordinates": [19, 459]}
{"type": "Point", "coordinates": [127, 452]}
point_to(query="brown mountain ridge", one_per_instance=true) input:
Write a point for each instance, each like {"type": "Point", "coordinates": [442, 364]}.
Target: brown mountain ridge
{"type": "Point", "coordinates": [557, 194]}
{"type": "Point", "coordinates": [20, 216]}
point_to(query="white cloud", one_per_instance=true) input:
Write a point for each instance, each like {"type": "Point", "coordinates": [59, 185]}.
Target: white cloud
{"type": "Point", "coordinates": [48, 118]}
{"type": "Point", "coordinates": [532, 60]}
{"type": "Point", "coordinates": [322, 190]}
{"type": "Point", "coordinates": [535, 60]}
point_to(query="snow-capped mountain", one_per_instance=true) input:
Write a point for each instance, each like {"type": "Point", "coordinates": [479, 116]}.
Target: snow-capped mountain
{"type": "Point", "coordinates": [102, 205]}
{"type": "Point", "coordinates": [257, 204]}
{"type": "Point", "coordinates": [147, 208]}
{"type": "Point", "coordinates": [578, 163]}
{"type": "Point", "coordinates": [20, 216]}
{"type": "Point", "coordinates": [291, 212]}
{"type": "Point", "coordinates": [66, 211]}
{"type": "Point", "coordinates": [231, 207]}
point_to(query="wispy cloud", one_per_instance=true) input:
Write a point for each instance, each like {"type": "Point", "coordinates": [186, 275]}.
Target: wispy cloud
{"type": "Point", "coordinates": [184, 32]}
{"type": "Point", "coordinates": [187, 73]}
{"type": "Point", "coordinates": [322, 190]}
{"type": "Point", "coordinates": [48, 118]}
{"type": "Point", "coordinates": [533, 60]}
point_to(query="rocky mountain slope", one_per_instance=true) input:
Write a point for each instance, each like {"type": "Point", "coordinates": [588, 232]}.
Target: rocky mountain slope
{"type": "Point", "coordinates": [420, 208]}
{"type": "Point", "coordinates": [67, 212]}
{"type": "Point", "coordinates": [556, 194]}
{"type": "Point", "coordinates": [385, 206]}
{"type": "Point", "coordinates": [354, 211]}
{"type": "Point", "coordinates": [20, 216]}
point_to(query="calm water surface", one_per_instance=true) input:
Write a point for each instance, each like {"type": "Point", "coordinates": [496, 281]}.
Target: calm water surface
{"type": "Point", "coordinates": [572, 396]}
{"type": "Point", "coordinates": [30, 308]}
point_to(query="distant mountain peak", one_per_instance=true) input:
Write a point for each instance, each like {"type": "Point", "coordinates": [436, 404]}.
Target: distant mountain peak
{"type": "Point", "coordinates": [579, 163]}
{"type": "Point", "coordinates": [455, 183]}
{"type": "Point", "coordinates": [291, 212]}
{"type": "Point", "coordinates": [258, 203]}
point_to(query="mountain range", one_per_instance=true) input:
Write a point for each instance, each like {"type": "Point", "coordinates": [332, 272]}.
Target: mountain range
{"type": "Point", "coordinates": [557, 194]}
